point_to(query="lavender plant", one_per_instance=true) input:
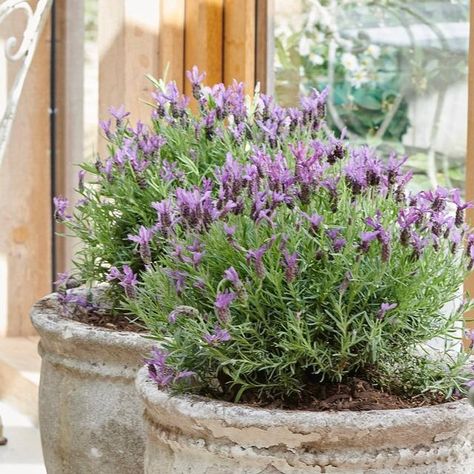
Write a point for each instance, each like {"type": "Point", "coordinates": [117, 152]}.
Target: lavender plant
{"type": "Point", "coordinates": [114, 218]}
{"type": "Point", "coordinates": [267, 256]}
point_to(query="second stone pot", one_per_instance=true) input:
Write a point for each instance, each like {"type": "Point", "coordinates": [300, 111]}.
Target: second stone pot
{"type": "Point", "coordinates": [90, 415]}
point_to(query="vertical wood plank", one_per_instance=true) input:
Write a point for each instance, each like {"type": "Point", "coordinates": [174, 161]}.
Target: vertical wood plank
{"type": "Point", "coordinates": [25, 239]}
{"type": "Point", "coordinates": [128, 50]}
{"type": "Point", "coordinates": [469, 283]}
{"type": "Point", "coordinates": [264, 45]}
{"type": "Point", "coordinates": [171, 41]}
{"type": "Point", "coordinates": [70, 112]}
{"type": "Point", "coordinates": [204, 39]}
{"type": "Point", "coordinates": [239, 42]}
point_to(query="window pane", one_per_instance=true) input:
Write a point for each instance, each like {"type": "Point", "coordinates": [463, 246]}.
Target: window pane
{"type": "Point", "coordinates": [397, 72]}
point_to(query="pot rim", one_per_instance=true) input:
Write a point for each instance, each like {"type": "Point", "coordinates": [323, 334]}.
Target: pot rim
{"type": "Point", "coordinates": [46, 317]}
{"type": "Point", "coordinates": [203, 408]}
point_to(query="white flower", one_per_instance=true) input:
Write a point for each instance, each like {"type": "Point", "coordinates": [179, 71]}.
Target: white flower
{"type": "Point", "coordinates": [305, 46]}
{"type": "Point", "coordinates": [374, 51]}
{"type": "Point", "coordinates": [283, 30]}
{"type": "Point", "coordinates": [316, 59]}
{"type": "Point", "coordinates": [350, 62]}
{"type": "Point", "coordinates": [359, 78]}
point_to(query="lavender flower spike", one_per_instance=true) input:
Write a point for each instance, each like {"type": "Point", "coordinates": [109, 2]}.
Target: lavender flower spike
{"type": "Point", "coordinates": [128, 281]}
{"type": "Point", "coordinates": [60, 208]}
{"type": "Point", "coordinates": [119, 113]}
{"type": "Point", "coordinates": [222, 304]}
{"type": "Point", "coordinates": [365, 240]}
{"type": "Point", "coordinates": [158, 369]}
{"type": "Point", "coordinates": [290, 263]}
{"type": "Point", "coordinates": [385, 308]}
{"type": "Point", "coordinates": [195, 78]}
{"type": "Point", "coordinates": [314, 220]}
{"type": "Point", "coordinates": [217, 337]}
{"type": "Point", "coordinates": [232, 276]}
{"type": "Point", "coordinates": [143, 239]}
{"type": "Point", "coordinates": [460, 207]}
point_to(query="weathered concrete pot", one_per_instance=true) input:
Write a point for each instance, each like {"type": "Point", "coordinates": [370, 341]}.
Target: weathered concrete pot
{"type": "Point", "coordinates": [90, 415]}
{"type": "Point", "coordinates": [196, 435]}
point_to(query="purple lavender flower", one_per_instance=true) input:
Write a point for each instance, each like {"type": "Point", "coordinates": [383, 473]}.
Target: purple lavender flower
{"type": "Point", "coordinates": [128, 281]}
{"type": "Point", "coordinates": [393, 168]}
{"type": "Point", "coordinates": [366, 238]}
{"type": "Point", "coordinates": [270, 131]}
{"type": "Point", "coordinates": [382, 235]}
{"type": "Point", "coordinates": [158, 369]}
{"type": "Point", "coordinates": [460, 207]}
{"type": "Point", "coordinates": [60, 208]}
{"type": "Point", "coordinates": [170, 172]}
{"type": "Point", "coordinates": [182, 311]}
{"type": "Point", "coordinates": [406, 218]}
{"type": "Point", "coordinates": [313, 108]}
{"type": "Point", "coordinates": [257, 257]}
{"type": "Point", "coordinates": [338, 242]}
{"type": "Point", "coordinates": [179, 280]}
{"type": "Point", "coordinates": [105, 126]}
{"type": "Point", "coordinates": [437, 198]}
{"type": "Point", "coordinates": [440, 223]}
{"type": "Point", "coordinates": [196, 258]}
{"type": "Point", "coordinates": [196, 209]}
{"type": "Point", "coordinates": [62, 280]}
{"type": "Point", "coordinates": [165, 214]}
{"type": "Point", "coordinates": [232, 276]}
{"type": "Point", "coordinates": [314, 220]}
{"type": "Point", "coordinates": [195, 78]}
{"type": "Point", "coordinates": [143, 239]}
{"type": "Point", "coordinates": [418, 243]}
{"type": "Point", "coordinates": [385, 308]}
{"type": "Point", "coordinates": [80, 180]}
{"type": "Point", "coordinates": [471, 257]}
{"type": "Point", "coordinates": [66, 299]}
{"type": "Point", "coordinates": [363, 169]}
{"type": "Point", "coordinates": [114, 274]}
{"type": "Point", "coordinates": [222, 304]}
{"type": "Point", "coordinates": [217, 337]}
{"type": "Point", "coordinates": [290, 264]}
{"type": "Point", "coordinates": [469, 242]}
{"type": "Point", "coordinates": [335, 151]}
{"type": "Point", "coordinates": [469, 334]}
{"type": "Point", "coordinates": [118, 113]}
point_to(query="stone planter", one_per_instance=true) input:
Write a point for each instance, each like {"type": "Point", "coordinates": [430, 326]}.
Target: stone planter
{"type": "Point", "coordinates": [196, 435]}
{"type": "Point", "coordinates": [90, 415]}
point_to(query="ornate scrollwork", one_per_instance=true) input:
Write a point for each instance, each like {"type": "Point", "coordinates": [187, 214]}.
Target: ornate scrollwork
{"type": "Point", "coordinates": [23, 52]}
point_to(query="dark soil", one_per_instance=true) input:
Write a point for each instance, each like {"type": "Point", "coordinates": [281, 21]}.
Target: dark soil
{"type": "Point", "coordinates": [115, 322]}
{"type": "Point", "coordinates": [354, 395]}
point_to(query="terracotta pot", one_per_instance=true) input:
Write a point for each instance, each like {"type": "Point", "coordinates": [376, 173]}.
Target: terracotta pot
{"type": "Point", "coordinates": [187, 434]}
{"type": "Point", "coordinates": [90, 415]}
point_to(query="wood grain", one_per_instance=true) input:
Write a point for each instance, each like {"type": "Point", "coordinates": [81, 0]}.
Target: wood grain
{"type": "Point", "coordinates": [469, 283]}
{"type": "Point", "coordinates": [25, 239]}
{"type": "Point", "coordinates": [203, 39]}
{"type": "Point", "coordinates": [70, 113]}
{"type": "Point", "coordinates": [171, 41]}
{"type": "Point", "coordinates": [239, 42]}
{"type": "Point", "coordinates": [128, 50]}
{"type": "Point", "coordinates": [264, 45]}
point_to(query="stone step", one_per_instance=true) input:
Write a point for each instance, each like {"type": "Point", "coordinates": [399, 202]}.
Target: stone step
{"type": "Point", "coordinates": [19, 374]}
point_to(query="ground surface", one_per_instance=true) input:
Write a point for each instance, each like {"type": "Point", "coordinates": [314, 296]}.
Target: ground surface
{"type": "Point", "coordinates": [22, 454]}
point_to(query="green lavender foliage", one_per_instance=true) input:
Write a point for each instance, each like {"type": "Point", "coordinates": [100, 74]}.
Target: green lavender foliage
{"type": "Point", "coordinates": [323, 325]}
{"type": "Point", "coordinates": [326, 301]}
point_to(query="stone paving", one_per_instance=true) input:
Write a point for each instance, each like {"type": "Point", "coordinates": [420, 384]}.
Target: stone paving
{"type": "Point", "coordinates": [22, 454]}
